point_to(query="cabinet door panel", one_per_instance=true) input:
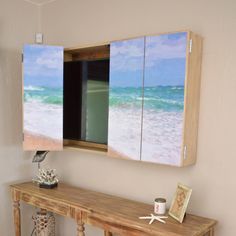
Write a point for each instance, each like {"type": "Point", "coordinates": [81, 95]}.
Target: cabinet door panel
{"type": "Point", "coordinates": [43, 97]}
{"type": "Point", "coordinates": [165, 62]}
{"type": "Point", "coordinates": [125, 98]}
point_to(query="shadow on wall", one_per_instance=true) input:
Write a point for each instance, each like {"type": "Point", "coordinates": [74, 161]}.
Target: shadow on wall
{"type": "Point", "coordinates": [10, 97]}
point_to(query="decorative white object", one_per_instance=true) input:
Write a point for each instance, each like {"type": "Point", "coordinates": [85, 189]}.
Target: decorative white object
{"type": "Point", "coordinates": [160, 206]}
{"type": "Point", "coordinates": [47, 178]}
{"type": "Point", "coordinates": [153, 217]}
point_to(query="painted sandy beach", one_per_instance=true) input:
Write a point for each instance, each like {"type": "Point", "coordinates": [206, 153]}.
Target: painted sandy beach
{"type": "Point", "coordinates": [34, 141]}
{"type": "Point", "coordinates": [42, 126]}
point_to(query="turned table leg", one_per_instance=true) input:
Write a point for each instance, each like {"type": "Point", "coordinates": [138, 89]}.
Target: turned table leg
{"type": "Point", "coordinates": [80, 224]}
{"type": "Point", "coordinates": [16, 213]}
{"type": "Point", "coordinates": [80, 229]}
{"type": "Point", "coordinates": [107, 233]}
{"type": "Point", "coordinates": [212, 232]}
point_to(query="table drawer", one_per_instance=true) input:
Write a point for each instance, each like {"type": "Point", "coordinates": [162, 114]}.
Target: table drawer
{"type": "Point", "coordinates": [48, 204]}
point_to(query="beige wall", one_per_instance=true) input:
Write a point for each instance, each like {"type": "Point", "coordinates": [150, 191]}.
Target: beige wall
{"type": "Point", "coordinates": [18, 23]}
{"type": "Point", "coordinates": [77, 22]}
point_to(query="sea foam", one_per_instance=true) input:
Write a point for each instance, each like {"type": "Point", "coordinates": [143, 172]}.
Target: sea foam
{"type": "Point", "coordinates": [43, 119]}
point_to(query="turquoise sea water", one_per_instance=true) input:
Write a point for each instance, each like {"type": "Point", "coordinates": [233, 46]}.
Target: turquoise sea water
{"type": "Point", "coordinates": [44, 95]}
{"type": "Point", "coordinates": [159, 98]}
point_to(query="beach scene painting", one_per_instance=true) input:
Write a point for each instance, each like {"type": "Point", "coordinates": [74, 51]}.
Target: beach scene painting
{"type": "Point", "coordinates": [43, 97]}
{"type": "Point", "coordinates": [125, 98]}
{"type": "Point", "coordinates": [163, 107]}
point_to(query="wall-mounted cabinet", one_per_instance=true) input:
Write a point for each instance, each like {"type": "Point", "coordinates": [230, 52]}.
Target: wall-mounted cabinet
{"type": "Point", "coordinates": [138, 99]}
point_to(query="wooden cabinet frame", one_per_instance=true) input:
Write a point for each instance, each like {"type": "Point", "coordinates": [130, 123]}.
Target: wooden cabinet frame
{"type": "Point", "coordinates": [192, 99]}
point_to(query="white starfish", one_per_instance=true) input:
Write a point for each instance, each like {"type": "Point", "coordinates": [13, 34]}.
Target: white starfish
{"type": "Point", "coordinates": [153, 217]}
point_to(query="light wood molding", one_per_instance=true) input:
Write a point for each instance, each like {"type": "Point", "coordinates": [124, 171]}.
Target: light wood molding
{"type": "Point", "coordinates": [192, 99]}
{"type": "Point", "coordinates": [107, 233]}
{"type": "Point", "coordinates": [85, 47]}
{"type": "Point", "coordinates": [87, 53]}
{"type": "Point", "coordinates": [67, 57]}
{"type": "Point", "coordinates": [77, 144]}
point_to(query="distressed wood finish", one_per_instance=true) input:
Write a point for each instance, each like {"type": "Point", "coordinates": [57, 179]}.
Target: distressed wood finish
{"type": "Point", "coordinates": [17, 219]}
{"type": "Point", "coordinates": [107, 233]}
{"type": "Point", "coordinates": [211, 232]}
{"type": "Point", "coordinates": [16, 211]}
{"type": "Point", "coordinates": [80, 223]}
{"type": "Point", "coordinates": [112, 214]}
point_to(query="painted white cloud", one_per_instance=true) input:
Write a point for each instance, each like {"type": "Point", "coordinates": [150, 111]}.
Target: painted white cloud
{"type": "Point", "coordinates": [160, 47]}
{"type": "Point", "coordinates": [46, 62]}
{"type": "Point", "coordinates": [128, 55]}
{"type": "Point", "coordinates": [50, 59]}
{"type": "Point", "coordinates": [131, 48]}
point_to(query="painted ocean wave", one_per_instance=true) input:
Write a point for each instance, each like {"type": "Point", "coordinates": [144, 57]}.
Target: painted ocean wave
{"type": "Point", "coordinates": [44, 95]}
{"type": "Point", "coordinates": [159, 98]}
{"type": "Point", "coordinates": [33, 88]}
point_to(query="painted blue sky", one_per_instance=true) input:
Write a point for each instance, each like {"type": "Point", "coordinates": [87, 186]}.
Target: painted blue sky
{"type": "Point", "coordinates": [164, 62]}
{"type": "Point", "coordinates": [126, 63]}
{"type": "Point", "coordinates": [43, 66]}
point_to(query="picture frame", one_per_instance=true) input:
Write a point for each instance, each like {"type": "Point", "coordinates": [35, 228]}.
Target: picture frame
{"type": "Point", "coordinates": [180, 202]}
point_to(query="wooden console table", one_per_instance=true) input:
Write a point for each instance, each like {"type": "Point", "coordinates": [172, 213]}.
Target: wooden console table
{"type": "Point", "coordinates": [112, 214]}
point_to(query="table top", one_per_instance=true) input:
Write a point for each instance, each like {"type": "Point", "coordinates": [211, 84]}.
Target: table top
{"type": "Point", "coordinates": [116, 209]}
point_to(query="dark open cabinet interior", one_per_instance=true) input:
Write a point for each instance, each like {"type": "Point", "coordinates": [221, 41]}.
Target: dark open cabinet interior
{"type": "Point", "coordinates": [86, 97]}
